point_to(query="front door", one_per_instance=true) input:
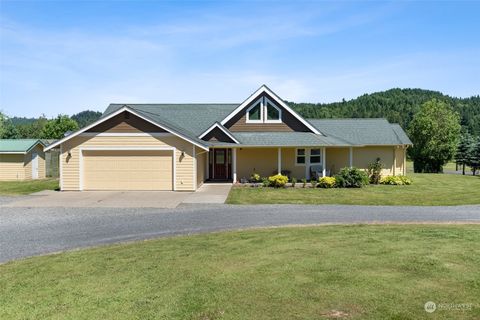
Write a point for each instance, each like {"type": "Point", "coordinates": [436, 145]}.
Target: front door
{"type": "Point", "coordinates": [34, 165]}
{"type": "Point", "coordinates": [220, 164]}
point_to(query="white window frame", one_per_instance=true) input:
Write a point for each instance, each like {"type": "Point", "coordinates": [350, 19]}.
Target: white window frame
{"type": "Point", "coordinates": [259, 101]}
{"type": "Point", "coordinates": [304, 155]}
{"type": "Point", "coordinates": [319, 155]}
{"type": "Point", "coordinates": [266, 102]}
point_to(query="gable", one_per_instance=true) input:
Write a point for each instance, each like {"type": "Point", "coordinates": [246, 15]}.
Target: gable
{"type": "Point", "coordinates": [288, 123]}
{"type": "Point", "coordinates": [216, 134]}
{"type": "Point", "coordinates": [125, 122]}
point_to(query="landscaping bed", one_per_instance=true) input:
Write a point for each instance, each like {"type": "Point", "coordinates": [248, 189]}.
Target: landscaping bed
{"type": "Point", "coordinates": [425, 190]}
{"type": "Point", "coordinates": [361, 272]}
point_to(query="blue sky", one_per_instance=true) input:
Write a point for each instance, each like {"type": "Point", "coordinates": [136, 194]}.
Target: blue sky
{"type": "Point", "coordinates": [65, 57]}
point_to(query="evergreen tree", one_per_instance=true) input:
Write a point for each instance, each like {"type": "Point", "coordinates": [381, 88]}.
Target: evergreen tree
{"type": "Point", "coordinates": [474, 159]}
{"type": "Point", "coordinates": [464, 151]}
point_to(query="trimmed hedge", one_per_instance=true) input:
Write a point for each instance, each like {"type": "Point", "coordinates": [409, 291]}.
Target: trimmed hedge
{"type": "Point", "coordinates": [396, 180]}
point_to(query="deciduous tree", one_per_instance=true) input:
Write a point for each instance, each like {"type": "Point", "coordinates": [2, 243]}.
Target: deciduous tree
{"type": "Point", "coordinates": [434, 132]}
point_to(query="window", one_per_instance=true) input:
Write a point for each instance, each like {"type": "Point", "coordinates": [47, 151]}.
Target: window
{"type": "Point", "coordinates": [264, 111]}
{"type": "Point", "coordinates": [273, 113]}
{"type": "Point", "coordinates": [254, 113]}
{"type": "Point", "coordinates": [300, 157]}
{"type": "Point", "coordinates": [315, 157]}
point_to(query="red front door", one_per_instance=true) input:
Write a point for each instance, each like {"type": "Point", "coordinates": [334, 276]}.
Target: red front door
{"type": "Point", "coordinates": [220, 168]}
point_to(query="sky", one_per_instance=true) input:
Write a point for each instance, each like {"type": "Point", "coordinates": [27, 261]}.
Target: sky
{"type": "Point", "coordinates": [62, 57]}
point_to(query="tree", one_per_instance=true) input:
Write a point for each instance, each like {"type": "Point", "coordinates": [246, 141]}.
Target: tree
{"type": "Point", "coordinates": [56, 128]}
{"type": "Point", "coordinates": [474, 158]}
{"type": "Point", "coordinates": [32, 129]}
{"type": "Point", "coordinates": [464, 150]}
{"type": "Point", "coordinates": [3, 120]}
{"type": "Point", "coordinates": [86, 117]}
{"type": "Point", "coordinates": [434, 131]}
{"type": "Point", "coordinates": [7, 129]}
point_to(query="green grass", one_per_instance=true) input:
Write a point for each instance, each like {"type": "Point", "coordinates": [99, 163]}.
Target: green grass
{"type": "Point", "coordinates": [448, 167]}
{"type": "Point", "coordinates": [27, 186]}
{"type": "Point", "coordinates": [426, 190]}
{"type": "Point", "coordinates": [368, 272]}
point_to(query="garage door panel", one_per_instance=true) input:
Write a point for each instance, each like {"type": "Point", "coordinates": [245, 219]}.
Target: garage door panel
{"type": "Point", "coordinates": [127, 170]}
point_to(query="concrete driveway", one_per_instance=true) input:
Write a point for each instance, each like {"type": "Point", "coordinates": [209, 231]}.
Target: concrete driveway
{"type": "Point", "coordinates": [32, 231]}
{"type": "Point", "coordinates": [207, 193]}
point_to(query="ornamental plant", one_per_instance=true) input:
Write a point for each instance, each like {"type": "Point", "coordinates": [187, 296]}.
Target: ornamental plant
{"type": "Point", "coordinates": [255, 177]}
{"type": "Point", "coordinates": [351, 178]}
{"type": "Point", "coordinates": [278, 181]}
{"type": "Point", "coordinates": [396, 180]}
{"type": "Point", "coordinates": [294, 181]}
{"type": "Point", "coordinates": [326, 182]}
{"type": "Point", "coordinates": [375, 171]}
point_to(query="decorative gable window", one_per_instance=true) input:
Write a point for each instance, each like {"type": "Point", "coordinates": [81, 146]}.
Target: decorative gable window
{"type": "Point", "coordinates": [264, 111]}
{"type": "Point", "coordinates": [254, 113]}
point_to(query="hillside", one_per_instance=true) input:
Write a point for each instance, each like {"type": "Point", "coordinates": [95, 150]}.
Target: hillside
{"type": "Point", "coordinates": [397, 105]}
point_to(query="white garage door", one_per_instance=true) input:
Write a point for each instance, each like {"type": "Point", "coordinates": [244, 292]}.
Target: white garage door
{"type": "Point", "coordinates": [127, 170]}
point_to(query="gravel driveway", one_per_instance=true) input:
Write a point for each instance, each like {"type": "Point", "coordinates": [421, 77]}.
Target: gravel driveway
{"type": "Point", "coordinates": [33, 231]}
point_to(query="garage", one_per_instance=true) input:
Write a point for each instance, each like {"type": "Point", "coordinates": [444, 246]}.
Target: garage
{"type": "Point", "coordinates": [127, 169]}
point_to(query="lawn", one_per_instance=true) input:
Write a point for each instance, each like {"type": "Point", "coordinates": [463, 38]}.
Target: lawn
{"type": "Point", "coordinates": [426, 190]}
{"type": "Point", "coordinates": [363, 271]}
{"type": "Point", "coordinates": [27, 186]}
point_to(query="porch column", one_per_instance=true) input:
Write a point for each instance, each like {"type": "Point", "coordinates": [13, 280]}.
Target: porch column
{"type": "Point", "coordinates": [234, 164]}
{"type": "Point", "coordinates": [324, 157]}
{"type": "Point", "coordinates": [279, 160]}
{"type": "Point", "coordinates": [350, 157]}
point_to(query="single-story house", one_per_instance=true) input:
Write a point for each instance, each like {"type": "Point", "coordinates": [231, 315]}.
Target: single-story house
{"type": "Point", "coordinates": [179, 146]}
{"type": "Point", "coordinates": [22, 159]}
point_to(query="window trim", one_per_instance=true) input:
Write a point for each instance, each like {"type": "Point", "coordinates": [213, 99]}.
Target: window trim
{"type": "Point", "coordinates": [319, 155]}
{"type": "Point", "coordinates": [304, 156]}
{"type": "Point", "coordinates": [266, 102]}
{"type": "Point", "coordinates": [259, 101]}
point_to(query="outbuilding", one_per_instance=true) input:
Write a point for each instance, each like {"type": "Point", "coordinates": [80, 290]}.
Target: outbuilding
{"type": "Point", "coordinates": [22, 159]}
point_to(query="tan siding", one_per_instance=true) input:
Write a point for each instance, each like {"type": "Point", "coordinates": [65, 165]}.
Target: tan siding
{"type": "Point", "coordinates": [12, 167]}
{"type": "Point", "coordinates": [201, 163]}
{"type": "Point", "coordinates": [337, 158]}
{"type": "Point", "coordinates": [259, 160]}
{"type": "Point", "coordinates": [399, 156]}
{"type": "Point", "coordinates": [41, 163]}
{"type": "Point", "coordinates": [184, 164]}
{"type": "Point", "coordinates": [127, 170]}
{"type": "Point", "coordinates": [363, 156]}
{"type": "Point", "coordinates": [288, 163]}
{"type": "Point", "coordinates": [120, 124]}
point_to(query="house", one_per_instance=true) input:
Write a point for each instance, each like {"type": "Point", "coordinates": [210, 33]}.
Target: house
{"type": "Point", "coordinates": [179, 146]}
{"type": "Point", "coordinates": [22, 159]}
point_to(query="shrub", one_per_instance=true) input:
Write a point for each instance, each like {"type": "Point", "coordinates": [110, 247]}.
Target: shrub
{"type": "Point", "coordinates": [255, 177]}
{"type": "Point", "coordinates": [265, 182]}
{"type": "Point", "coordinates": [396, 180]}
{"type": "Point", "coordinates": [375, 171]}
{"type": "Point", "coordinates": [304, 182]}
{"type": "Point", "coordinates": [278, 180]}
{"type": "Point", "coordinates": [313, 183]}
{"type": "Point", "coordinates": [326, 182]}
{"type": "Point", "coordinates": [294, 181]}
{"type": "Point", "coordinates": [351, 178]}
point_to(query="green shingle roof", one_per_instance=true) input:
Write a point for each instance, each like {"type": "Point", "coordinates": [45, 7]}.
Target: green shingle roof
{"type": "Point", "coordinates": [362, 131]}
{"type": "Point", "coordinates": [18, 145]}
{"type": "Point", "coordinates": [191, 120]}
{"type": "Point", "coordinates": [287, 139]}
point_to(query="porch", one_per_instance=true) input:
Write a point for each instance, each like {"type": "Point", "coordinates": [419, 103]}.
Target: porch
{"type": "Point", "coordinates": [237, 164]}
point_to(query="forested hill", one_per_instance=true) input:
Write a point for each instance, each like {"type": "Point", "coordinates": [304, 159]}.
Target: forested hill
{"type": "Point", "coordinates": [397, 105]}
